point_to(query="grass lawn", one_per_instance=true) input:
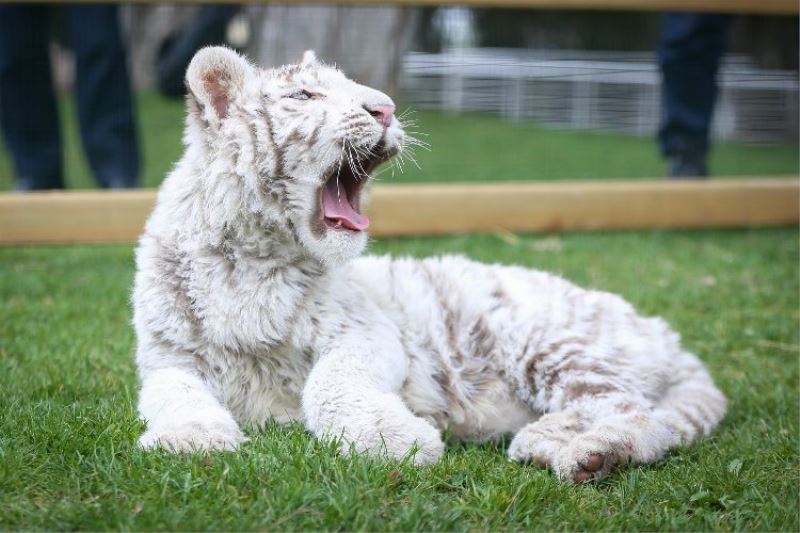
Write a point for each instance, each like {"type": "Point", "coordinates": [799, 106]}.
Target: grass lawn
{"type": "Point", "coordinates": [463, 148]}
{"type": "Point", "coordinates": [68, 459]}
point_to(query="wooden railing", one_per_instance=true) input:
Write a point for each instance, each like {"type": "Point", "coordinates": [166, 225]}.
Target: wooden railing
{"type": "Point", "coordinates": [118, 216]}
{"type": "Point", "coordinates": [767, 7]}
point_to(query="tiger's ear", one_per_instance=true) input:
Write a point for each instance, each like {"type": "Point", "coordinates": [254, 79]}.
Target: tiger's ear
{"type": "Point", "coordinates": [309, 58]}
{"type": "Point", "coordinates": [216, 77]}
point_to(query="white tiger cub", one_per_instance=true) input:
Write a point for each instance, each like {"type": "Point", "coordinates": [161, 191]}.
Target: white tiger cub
{"type": "Point", "coordinates": [250, 304]}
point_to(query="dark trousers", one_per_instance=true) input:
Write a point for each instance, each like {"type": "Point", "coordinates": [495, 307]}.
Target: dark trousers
{"type": "Point", "coordinates": [206, 28]}
{"type": "Point", "coordinates": [28, 111]}
{"type": "Point", "coordinates": [689, 54]}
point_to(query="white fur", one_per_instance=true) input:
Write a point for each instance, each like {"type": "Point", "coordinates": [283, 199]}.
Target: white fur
{"type": "Point", "coordinates": [244, 312]}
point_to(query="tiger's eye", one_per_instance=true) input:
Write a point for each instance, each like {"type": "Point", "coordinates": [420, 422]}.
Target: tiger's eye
{"type": "Point", "coordinates": [301, 95]}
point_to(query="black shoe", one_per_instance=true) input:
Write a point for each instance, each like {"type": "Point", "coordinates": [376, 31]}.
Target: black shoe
{"type": "Point", "coordinates": [29, 185]}
{"type": "Point", "coordinates": [120, 183]}
{"type": "Point", "coordinates": [687, 167]}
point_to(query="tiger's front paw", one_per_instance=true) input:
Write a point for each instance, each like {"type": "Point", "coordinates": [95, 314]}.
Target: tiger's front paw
{"type": "Point", "coordinates": [414, 438]}
{"type": "Point", "coordinates": [395, 437]}
{"type": "Point", "coordinates": [427, 443]}
{"type": "Point", "coordinates": [194, 435]}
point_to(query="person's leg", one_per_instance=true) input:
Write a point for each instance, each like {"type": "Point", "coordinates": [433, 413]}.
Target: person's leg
{"type": "Point", "coordinates": [28, 111]}
{"type": "Point", "coordinates": [689, 55]}
{"type": "Point", "coordinates": [105, 103]}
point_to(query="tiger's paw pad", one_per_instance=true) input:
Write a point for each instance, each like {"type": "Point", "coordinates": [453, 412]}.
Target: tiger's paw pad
{"type": "Point", "coordinates": [594, 467]}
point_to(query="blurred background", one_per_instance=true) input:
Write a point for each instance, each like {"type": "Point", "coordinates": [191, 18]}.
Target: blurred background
{"type": "Point", "coordinates": [499, 94]}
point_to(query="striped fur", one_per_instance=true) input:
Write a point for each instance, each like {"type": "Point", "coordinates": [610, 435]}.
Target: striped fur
{"type": "Point", "coordinates": [248, 307]}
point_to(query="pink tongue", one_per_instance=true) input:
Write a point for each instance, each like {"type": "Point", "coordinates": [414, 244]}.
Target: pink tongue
{"type": "Point", "coordinates": [336, 207]}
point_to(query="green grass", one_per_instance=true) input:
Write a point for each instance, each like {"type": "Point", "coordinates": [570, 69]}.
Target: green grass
{"type": "Point", "coordinates": [463, 148]}
{"type": "Point", "coordinates": [68, 426]}
{"type": "Point", "coordinates": [68, 459]}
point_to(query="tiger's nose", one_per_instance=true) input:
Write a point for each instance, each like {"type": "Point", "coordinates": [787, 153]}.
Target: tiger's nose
{"type": "Point", "coordinates": [382, 113]}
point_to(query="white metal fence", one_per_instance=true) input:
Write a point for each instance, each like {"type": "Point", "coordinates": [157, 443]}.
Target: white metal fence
{"type": "Point", "coordinates": [608, 91]}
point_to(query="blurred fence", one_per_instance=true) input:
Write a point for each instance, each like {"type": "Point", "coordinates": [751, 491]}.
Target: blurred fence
{"type": "Point", "coordinates": [612, 91]}
{"type": "Point", "coordinates": [609, 91]}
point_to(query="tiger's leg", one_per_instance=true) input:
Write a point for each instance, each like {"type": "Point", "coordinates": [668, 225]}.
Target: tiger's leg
{"type": "Point", "coordinates": [597, 414]}
{"type": "Point", "coordinates": [622, 429]}
{"type": "Point", "coordinates": [594, 434]}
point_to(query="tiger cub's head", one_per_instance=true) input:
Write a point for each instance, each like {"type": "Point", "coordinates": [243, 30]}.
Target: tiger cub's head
{"type": "Point", "coordinates": [299, 141]}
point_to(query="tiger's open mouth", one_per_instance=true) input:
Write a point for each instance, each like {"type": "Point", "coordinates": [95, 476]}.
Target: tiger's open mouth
{"type": "Point", "coordinates": [340, 196]}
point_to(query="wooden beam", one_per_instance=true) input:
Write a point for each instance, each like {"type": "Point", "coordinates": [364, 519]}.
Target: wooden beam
{"type": "Point", "coordinates": [118, 216]}
{"type": "Point", "coordinates": [436, 209]}
{"type": "Point", "coordinates": [66, 217]}
{"type": "Point", "coordinates": [765, 7]}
